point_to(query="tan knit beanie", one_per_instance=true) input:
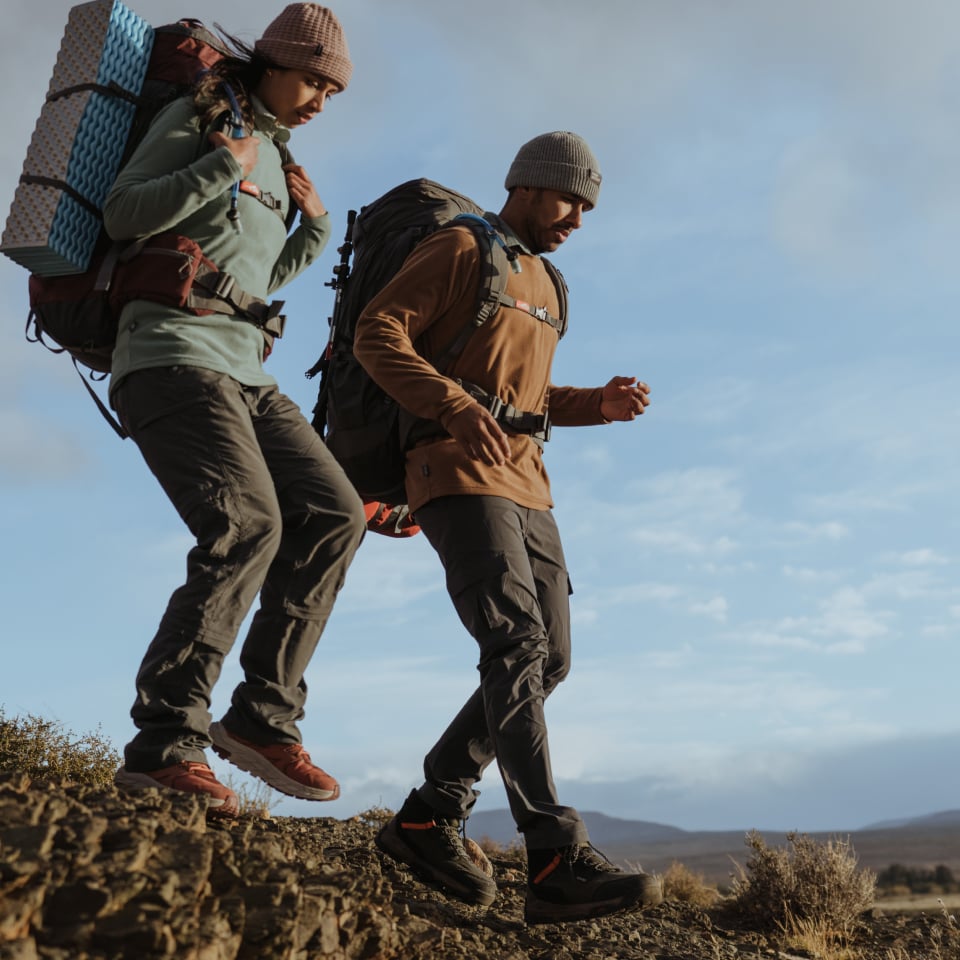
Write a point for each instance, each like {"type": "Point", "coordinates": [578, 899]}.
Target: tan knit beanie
{"type": "Point", "coordinates": [557, 161]}
{"type": "Point", "coordinates": [307, 36]}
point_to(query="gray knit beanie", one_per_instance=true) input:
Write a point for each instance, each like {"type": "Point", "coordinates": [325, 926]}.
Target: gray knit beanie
{"type": "Point", "coordinates": [559, 161]}
{"type": "Point", "coordinates": [306, 36]}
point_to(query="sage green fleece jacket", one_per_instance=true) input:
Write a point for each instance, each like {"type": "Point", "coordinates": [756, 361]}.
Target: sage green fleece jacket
{"type": "Point", "coordinates": [174, 182]}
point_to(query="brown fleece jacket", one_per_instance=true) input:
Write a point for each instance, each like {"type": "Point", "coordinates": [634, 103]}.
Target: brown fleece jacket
{"type": "Point", "coordinates": [428, 303]}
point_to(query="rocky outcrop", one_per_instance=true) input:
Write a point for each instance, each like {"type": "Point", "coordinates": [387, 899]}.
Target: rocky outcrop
{"type": "Point", "coordinates": [91, 874]}
{"type": "Point", "coordinates": [88, 873]}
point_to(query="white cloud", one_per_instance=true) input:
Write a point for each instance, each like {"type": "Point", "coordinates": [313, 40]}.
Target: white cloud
{"type": "Point", "coordinates": [923, 557]}
{"type": "Point", "coordinates": [908, 585]}
{"type": "Point", "coordinates": [714, 609]}
{"type": "Point", "coordinates": [827, 530]}
{"type": "Point", "coordinates": [698, 491]}
{"type": "Point", "coordinates": [679, 541]}
{"type": "Point", "coordinates": [844, 616]}
{"type": "Point", "coordinates": [809, 575]}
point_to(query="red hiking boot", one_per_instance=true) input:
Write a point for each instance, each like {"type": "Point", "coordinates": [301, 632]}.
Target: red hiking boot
{"type": "Point", "coordinates": [284, 766]}
{"type": "Point", "coordinates": [188, 777]}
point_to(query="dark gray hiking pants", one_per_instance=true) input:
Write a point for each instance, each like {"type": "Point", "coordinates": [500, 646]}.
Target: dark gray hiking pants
{"type": "Point", "coordinates": [272, 513]}
{"type": "Point", "coordinates": [508, 581]}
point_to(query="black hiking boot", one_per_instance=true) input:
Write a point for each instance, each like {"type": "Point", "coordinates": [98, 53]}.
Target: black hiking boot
{"type": "Point", "coordinates": [576, 882]}
{"type": "Point", "coordinates": [432, 847]}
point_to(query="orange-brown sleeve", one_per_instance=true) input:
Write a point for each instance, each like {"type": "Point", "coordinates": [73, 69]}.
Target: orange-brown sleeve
{"type": "Point", "coordinates": [575, 406]}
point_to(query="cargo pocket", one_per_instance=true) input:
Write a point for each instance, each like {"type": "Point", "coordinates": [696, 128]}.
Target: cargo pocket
{"type": "Point", "coordinates": [493, 603]}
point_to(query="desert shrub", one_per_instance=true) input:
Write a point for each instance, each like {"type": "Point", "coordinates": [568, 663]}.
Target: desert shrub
{"type": "Point", "coordinates": [45, 751]}
{"type": "Point", "coordinates": [896, 892]}
{"type": "Point", "coordinates": [682, 884]}
{"type": "Point", "coordinates": [514, 850]}
{"type": "Point", "coordinates": [808, 883]}
{"type": "Point", "coordinates": [897, 877]}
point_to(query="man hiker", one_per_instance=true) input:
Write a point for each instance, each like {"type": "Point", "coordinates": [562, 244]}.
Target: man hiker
{"type": "Point", "coordinates": [480, 493]}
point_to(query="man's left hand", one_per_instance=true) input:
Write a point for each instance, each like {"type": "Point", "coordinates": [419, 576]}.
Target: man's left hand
{"type": "Point", "coordinates": [624, 398]}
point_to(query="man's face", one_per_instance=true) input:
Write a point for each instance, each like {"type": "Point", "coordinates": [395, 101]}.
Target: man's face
{"type": "Point", "coordinates": [550, 217]}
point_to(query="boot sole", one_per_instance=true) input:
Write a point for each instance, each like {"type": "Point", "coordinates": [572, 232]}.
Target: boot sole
{"type": "Point", "coordinates": [389, 841]}
{"type": "Point", "coordinates": [536, 910]}
{"type": "Point", "coordinates": [125, 779]}
{"type": "Point", "coordinates": [225, 747]}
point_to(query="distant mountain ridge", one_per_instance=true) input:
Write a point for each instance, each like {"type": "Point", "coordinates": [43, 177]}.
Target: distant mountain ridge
{"type": "Point", "coordinates": [498, 825]}
{"type": "Point", "coordinates": [943, 819]}
{"type": "Point", "coordinates": [924, 841]}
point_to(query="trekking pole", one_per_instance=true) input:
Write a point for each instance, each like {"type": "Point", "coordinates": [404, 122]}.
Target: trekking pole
{"type": "Point", "coordinates": [341, 273]}
{"type": "Point", "coordinates": [237, 133]}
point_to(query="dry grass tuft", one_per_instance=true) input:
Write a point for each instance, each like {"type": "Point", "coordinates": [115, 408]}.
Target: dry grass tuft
{"type": "Point", "coordinates": [680, 883]}
{"type": "Point", "coordinates": [256, 798]}
{"type": "Point", "coordinates": [816, 939]}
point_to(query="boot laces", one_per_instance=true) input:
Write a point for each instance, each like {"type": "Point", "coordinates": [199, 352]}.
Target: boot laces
{"type": "Point", "coordinates": [452, 832]}
{"type": "Point", "coordinates": [587, 855]}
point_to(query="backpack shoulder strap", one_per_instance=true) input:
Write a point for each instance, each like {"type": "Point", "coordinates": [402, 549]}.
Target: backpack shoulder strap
{"type": "Point", "coordinates": [495, 262]}
{"type": "Point", "coordinates": [499, 259]}
{"type": "Point", "coordinates": [562, 295]}
{"type": "Point", "coordinates": [286, 157]}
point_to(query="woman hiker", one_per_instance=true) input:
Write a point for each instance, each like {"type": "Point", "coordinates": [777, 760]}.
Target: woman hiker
{"type": "Point", "coordinates": [271, 511]}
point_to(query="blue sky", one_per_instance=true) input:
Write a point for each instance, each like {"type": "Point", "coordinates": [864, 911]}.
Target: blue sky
{"type": "Point", "coordinates": [766, 607]}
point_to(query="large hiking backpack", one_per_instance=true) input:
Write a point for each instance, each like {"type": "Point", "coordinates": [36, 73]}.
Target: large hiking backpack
{"type": "Point", "coordinates": [110, 102]}
{"type": "Point", "coordinates": [365, 429]}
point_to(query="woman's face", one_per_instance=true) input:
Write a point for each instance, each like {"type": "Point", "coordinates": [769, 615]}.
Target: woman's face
{"type": "Point", "coordinates": [294, 97]}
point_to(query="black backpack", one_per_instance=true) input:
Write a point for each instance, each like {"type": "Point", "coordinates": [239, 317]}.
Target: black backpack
{"type": "Point", "coordinates": [367, 432]}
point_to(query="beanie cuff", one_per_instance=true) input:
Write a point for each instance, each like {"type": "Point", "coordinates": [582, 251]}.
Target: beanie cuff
{"type": "Point", "coordinates": [291, 55]}
{"type": "Point", "coordinates": [563, 177]}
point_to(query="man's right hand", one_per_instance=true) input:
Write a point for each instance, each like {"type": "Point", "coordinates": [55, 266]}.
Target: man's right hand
{"type": "Point", "coordinates": [480, 435]}
{"type": "Point", "coordinates": [244, 150]}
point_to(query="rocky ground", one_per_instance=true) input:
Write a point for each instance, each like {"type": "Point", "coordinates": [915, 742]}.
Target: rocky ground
{"type": "Point", "coordinates": [90, 874]}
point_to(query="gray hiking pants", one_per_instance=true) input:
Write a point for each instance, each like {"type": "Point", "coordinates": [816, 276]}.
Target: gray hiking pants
{"type": "Point", "coordinates": [508, 581]}
{"type": "Point", "coordinates": [272, 513]}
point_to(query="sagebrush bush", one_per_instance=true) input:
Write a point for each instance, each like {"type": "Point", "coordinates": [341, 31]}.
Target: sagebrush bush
{"type": "Point", "coordinates": [45, 751]}
{"type": "Point", "coordinates": [810, 882]}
